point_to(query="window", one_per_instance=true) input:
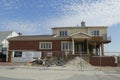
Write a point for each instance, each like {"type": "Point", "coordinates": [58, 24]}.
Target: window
{"type": "Point", "coordinates": [95, 33]}
{"type": "Point", "coordinates": [45, 45]}
{"type": "Point", "coordinates": [66, 46]}
{"type": "Point", "coordinates": [63, 33]}
{"type": "Point", "coordinates": [17, 53]}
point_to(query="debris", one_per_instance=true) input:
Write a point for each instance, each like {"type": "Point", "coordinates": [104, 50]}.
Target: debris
{"type": "Point", "coordinates": [55, 62]}
{"type": "Point", "coordinates": [37, 61]}
{"type": "Point", "coordinates": [48, 62]}
{"type": "Point", "coordinates": [78, 62]}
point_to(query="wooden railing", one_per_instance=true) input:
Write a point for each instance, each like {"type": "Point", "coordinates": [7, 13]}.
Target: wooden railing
{"type": "Point", "coordinates": [99, 38]}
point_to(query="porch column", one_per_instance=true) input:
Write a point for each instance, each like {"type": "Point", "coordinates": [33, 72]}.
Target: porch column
{"type": "Point", "coordinates": [102, 49]}
{"type": "Point", "coordinates": [10, 56]}
{"type": "Point", "coordinates": [94, 50]}
{"type": "Point", "coordinates": [87, 47]}
{"type": "Point", "coordinates": [99, 50]}
{"type": "Point", "coordinates": [73, 46]}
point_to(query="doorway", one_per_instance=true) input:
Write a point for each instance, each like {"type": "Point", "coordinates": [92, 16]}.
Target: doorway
{"type": "Point", "coordinates": [79, 48]}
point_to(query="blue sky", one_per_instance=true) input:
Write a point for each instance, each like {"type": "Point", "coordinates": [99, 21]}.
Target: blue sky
{"type": "Point", "coordinates": [38, 16]}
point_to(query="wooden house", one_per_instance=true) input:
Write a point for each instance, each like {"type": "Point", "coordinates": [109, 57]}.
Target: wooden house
{"type": "Point", "coordinates": [82, 39]}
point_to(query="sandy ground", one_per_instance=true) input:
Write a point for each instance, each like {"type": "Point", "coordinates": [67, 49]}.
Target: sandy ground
{"type": "Point", "coordinates": [73, 70]}
{"type": "Point", "coordinates": [55, 73]}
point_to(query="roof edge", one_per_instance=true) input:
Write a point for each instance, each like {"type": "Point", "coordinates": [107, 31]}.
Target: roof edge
{"type": "Point", "coordinates": [81, 27]}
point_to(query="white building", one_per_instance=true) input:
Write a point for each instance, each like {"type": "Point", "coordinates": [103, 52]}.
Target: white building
{"type": "Point", "coordinates": [4, 35]}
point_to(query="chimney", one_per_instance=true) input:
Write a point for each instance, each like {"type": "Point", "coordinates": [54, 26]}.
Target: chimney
{"type": "Point", "coordinates": [82, 24]}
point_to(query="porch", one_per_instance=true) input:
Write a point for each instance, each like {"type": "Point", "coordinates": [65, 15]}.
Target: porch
{"type": "Point", "coordinates": [87, 47]}
{"type": "Point", "coordinates": [83, 43]}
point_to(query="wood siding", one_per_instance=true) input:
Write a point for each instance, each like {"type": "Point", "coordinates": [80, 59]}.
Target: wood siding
{"type": "Point", "coordinates": [97, 38]}
{"type": "Point", "coordinates": [23, 45]}
{"type": "Point", "coordinates": [103, 61]}
{"type": "Point", "coordinates": [34, 45]}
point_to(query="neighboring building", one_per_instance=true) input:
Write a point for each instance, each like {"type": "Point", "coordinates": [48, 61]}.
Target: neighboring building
{"type": "Point", "coordinates": [4, 35]}
{"type": "Point", "coordinates": [82, 39]}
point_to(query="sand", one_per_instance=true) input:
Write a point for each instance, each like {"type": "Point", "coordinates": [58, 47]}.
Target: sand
{"type": "Point", "coordinates": [70, 71]}
{"type": "Point", "coordinates": [79, 63]}
{"type": "Point", "coordinates": [40, 74]}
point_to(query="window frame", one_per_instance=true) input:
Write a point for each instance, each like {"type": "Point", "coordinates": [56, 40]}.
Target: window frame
{"type": "Point", "coordinates": [45, 45]}
{"type": "Point", "coordinates": [18, 56]}
{"type": "Point", "coordinates": [66, 46]}
{"type": "Point", "coordinates": [63, 33]}
{"type": "Point", "coordinates": [95, 33]}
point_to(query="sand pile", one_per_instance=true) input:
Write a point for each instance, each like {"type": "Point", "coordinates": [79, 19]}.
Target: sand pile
{"type": "Point", "coordinates": [78, 62]}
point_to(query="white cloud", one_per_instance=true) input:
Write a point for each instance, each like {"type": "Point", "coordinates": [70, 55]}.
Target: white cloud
{"type": "Point", "coordinates": [9, 4]}
{"type": "Point", "coordinates": [104, 12]}
{"type": "Point", "coordinates": [24, 27]}
{"type": "Point", "coordinates": [93, 12]}
{"type": "Point", "coordinates": [98, 12]}
{"type": "Point", "coordinates": [27, 28]}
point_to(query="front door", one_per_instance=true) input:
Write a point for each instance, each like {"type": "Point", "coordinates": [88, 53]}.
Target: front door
{"type": "Point", "coordinates": [78, 48]}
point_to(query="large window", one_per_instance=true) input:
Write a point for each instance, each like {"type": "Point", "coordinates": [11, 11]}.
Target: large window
{"type": "Point", "coordinates": [66, 46]}
{"type": "Point", "coordinates": [95, 33]}
{"type": "Point", "coordinates": [63, 33]}
{"type": "Point", "coordinates": [45, 45]}
{"type": "Point", "coordinates": [17, 53]}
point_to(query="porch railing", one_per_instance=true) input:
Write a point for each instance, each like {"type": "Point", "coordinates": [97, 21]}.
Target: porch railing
{"type": "Point", "coordinates": [98, 38]}
{"type": "Point", "coordinates": [108, 38]}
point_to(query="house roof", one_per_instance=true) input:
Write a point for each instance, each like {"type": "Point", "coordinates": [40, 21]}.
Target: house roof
{"type": "Point", "coordinates": [37, 37]}
{"type": "Point", "coordinates": [4, 35]}
{"type": "Point", "coordinates": [73, 27]}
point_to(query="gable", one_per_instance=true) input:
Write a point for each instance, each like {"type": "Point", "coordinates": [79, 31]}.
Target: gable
{"type": "Point", "coordinates": [4, 34]}
{"type": "Point", "coordinates": [80, 35]}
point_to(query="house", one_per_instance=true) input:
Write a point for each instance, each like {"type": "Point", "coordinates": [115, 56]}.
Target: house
{"type": "Point", "coordinates": [4, 35]}
{"type": "Point", "coordinates": [88, 40]}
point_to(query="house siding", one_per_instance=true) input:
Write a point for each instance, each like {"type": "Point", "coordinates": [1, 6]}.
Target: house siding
{"type": "Point", "coordinates": [23, 45]}
{"type": "Point", "coordinates": [103, 61]}
{"type": "Point", "coordinates": [34, 45]}
{"type": "Point", "coordinates": [72, 30]}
